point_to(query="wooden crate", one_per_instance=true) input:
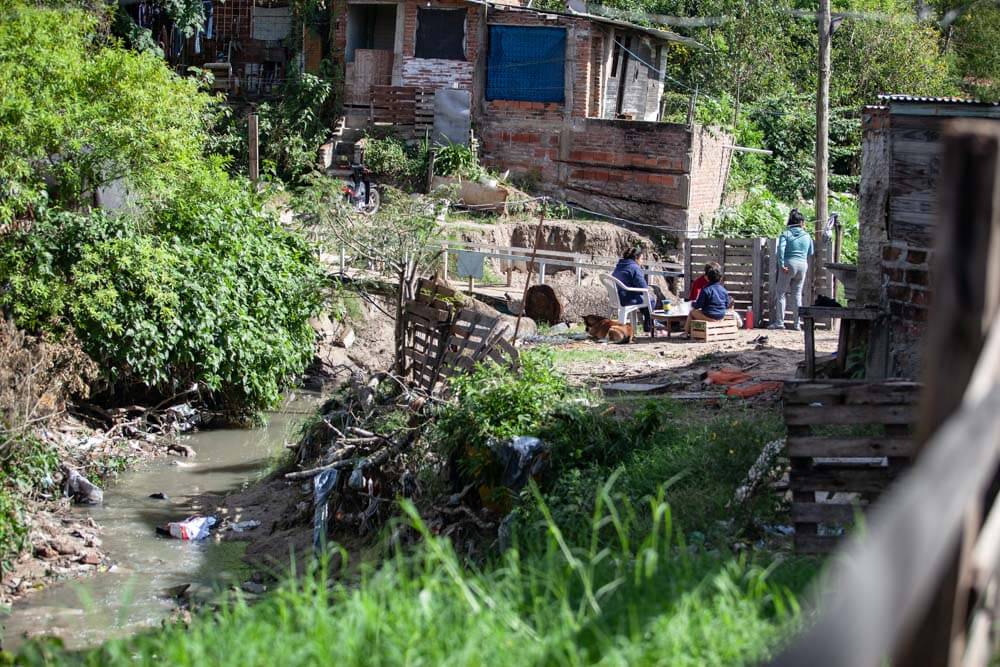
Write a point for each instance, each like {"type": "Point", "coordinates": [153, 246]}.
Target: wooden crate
{"type": "Point", "coordinates": [847, 441]}
{"type": "Point", "coordinates": [712, 332]}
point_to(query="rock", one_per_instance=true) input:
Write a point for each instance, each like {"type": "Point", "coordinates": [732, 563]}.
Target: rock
{"type": "Point", "coordinates": [91, 558]}
{"type": "Point", "coordinates": [562, 327]}
{"type": "Point", "coordinates": [178, 449]}
{"type": "Point", "coordinates": [175, 591]}
{"type": "Point", "coordinates": [159, 495]}
{"type": "Point", "coordinates": [46, 552]}
{"type": "Point", "coordinates": [80, 489]}
{"type": "Point", "coordinates": [64, 546]}
{"type": "Point", "coordinates": [253, 588]}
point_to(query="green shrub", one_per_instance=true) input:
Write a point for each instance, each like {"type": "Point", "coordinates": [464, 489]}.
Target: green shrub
{"type": "Point", "coordinates": [457, 160]}
{"type": "Point", "coordinates": [395, 163]}
{"type": "Point", "coordinates": [205, 288]}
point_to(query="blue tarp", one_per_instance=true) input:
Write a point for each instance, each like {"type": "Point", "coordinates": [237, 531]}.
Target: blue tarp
{"type": "Point", "coordinates": [526, 64]}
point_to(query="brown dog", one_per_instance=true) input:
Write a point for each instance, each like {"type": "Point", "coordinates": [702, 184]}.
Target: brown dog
{"type": "Point", "coordinates": [601, 327]}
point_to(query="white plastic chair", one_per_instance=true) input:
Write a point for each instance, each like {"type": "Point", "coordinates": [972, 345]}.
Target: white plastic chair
{"type": "Point", "coordinates": [621, 312]}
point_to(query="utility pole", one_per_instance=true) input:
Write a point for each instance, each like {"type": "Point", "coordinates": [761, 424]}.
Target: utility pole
{"type": "Point", "coordinates": [822, 146]}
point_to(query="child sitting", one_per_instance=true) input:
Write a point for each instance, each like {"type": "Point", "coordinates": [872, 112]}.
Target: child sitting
{"type": "Point", "coordinates": [712, 302]}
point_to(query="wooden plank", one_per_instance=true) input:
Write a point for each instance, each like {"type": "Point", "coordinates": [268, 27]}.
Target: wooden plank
{"type": "Point", "coordinates": [851, 392]}
{"type": "Point", "coordinates": [850, 446]}
{"type": "Point", "coordinates": [828, 513]}
{"type": "Point", "coordinates": [842, 478]}
{"type": "Point", "coordinates": [808, 415]}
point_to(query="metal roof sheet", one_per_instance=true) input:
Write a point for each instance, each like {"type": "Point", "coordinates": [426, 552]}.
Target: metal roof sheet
{"type": "Point", "coordinates": [917, 99]}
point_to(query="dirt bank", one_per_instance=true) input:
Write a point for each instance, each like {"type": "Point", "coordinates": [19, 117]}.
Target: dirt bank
{"type": "Point", "coordinates": [60, 543]}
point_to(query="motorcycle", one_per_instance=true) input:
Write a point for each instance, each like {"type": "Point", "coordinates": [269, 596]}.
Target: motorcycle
{"type": "Point", "coordinates": [359, 191]}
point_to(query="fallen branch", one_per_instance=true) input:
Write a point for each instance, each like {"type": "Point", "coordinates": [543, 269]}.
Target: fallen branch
{"type": "Point", "coordinates": [338, 462]}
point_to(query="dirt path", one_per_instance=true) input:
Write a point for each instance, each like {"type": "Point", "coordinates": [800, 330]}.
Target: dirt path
{"type": "Point", "coordinates": [680, 364]}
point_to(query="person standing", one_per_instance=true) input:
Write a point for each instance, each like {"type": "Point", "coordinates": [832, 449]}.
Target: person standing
{"type": "Point", "coordinates": [795, 247]}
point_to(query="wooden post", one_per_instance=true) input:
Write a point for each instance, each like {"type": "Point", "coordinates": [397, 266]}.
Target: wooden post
{"type": "Point", "coordinates": [343, 261]}
{"type": "Point", "coordinates": [579, 272]}
{"type": "Point", "coordinates": [472, 285]}
{"type": "Point", "coordinates": [822, 149]}
{"type": "Point", "coordinates": [253, 140]}
{"type": "Point", "coordinates": [687, 267]}
{"type": "Point", "coordinates": [967, 294]}
{"type": "Point", "coordinates": [757, 287]}
{"type": "Point", "coordinates": [838, 240]}
{"type": "Point", "coordinates": [541, 273]}
{"type": "Point", "coordinates": [444, 264]}
{"type": "Point", "coordinates": [772, 281]}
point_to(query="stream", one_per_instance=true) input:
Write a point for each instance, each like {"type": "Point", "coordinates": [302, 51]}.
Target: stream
{"type": "Point", "coordinates": [131, 596]}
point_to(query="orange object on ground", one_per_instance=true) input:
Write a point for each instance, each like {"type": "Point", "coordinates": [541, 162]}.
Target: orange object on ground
{"type": "Point", "coordinates": [754, 389]}
{"type": "Point", "coordinates": [727, 376]}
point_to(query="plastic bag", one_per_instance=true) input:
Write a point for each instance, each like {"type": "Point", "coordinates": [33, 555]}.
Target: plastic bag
{"type": "Point", "coordinates": [323, 485]}
{"type": "Point", "coordinates": [192, 528]}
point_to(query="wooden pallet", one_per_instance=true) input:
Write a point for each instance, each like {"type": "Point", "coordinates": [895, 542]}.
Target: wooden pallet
{"type": "Point", "coordinates": [442, 340]}
{"type": "Point", "coordinates": [713, 332]}
{"type": "Point", "coordinates": [847, 442]}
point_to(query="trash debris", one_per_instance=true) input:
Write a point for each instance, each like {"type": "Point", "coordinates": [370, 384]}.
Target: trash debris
{"type": "Point", "coordinates": [81, 489]}
{"type": "Point", "coordinates": [754, 389]}
{"type": "Point", "coordinates": [759, 471]}
{"type": "Point", "coordinates": [242, 526]}
{"type": "Point", "coordinates": [323, 485]}
{"type": "Point", "coordinates": [727, 376]}
{"type": "Point", "coordinates": [191, 528]}
{"type": "Point", "coordinates": [521, 457]}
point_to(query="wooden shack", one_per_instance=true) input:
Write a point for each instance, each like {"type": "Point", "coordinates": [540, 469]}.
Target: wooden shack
{"type": "Point", "coordinates": [901, 162]}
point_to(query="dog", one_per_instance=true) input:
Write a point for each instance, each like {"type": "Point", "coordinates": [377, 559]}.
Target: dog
{"type": "Point", "coordinates": [601, 327]}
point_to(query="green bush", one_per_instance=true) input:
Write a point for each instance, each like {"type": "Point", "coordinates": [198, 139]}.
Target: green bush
{"type": "Point", "coordinates": [395, 163]}
{"type": "Point", "coordinates": [205, 288]}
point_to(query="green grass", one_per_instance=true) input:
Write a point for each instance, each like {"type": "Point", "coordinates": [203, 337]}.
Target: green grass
{"type": "Point", "coordinates": [622, 555]}
{"type": "Point", "coordinates": [562, 356]}
{"type": "Point", "coordinates": [628, 602]}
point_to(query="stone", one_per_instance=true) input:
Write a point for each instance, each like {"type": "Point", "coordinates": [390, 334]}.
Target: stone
{"type": "Point", "coordinates": [91, 558]}
{"type": "Point", "coordinates": [178, 449]}
{"type": "Point", "coordinates": [253, 588]}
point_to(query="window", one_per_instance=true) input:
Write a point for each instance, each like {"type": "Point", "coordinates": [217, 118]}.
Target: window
{"type": "Point", "coordinates": [440, 34]}
{"type": "Point", "coordinates": [526, 64]}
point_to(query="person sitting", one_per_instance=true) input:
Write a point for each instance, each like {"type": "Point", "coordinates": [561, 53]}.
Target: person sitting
{"type": "Point", "coordinates": [702, 281]}
{"type": "Point", "coordinates": [712, 302]}
{"type": "Point", "coordinates": [629, 272]}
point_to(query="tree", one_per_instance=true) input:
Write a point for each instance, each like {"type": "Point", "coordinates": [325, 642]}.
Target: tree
{"type": "Point", "coordinates": [77, 112]}
{"type": "Point", "coordinates": [397, 239]}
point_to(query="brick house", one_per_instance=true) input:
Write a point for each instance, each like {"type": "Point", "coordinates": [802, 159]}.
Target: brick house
{"type": "Point", "coordinates": [901, 161]}
{"type": "Point", "coordinates": [567, 102]}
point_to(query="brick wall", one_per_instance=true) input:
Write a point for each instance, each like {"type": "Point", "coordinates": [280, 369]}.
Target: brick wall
{"type": "Point", "coordinates": [906, 285]}
{"type": "Point", "coordinates": [710, 159]}
{"type": "Point", "coordinates": [635, 170]}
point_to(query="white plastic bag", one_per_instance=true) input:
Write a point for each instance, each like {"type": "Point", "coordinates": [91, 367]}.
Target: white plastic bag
{"type": "Point", "coordinates": [192, 528]}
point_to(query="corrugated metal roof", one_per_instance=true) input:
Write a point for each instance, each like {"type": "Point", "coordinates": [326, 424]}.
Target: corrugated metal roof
{"type": "Point", "coordinates": [657, 33]}
{"type": "Point", "coordinates": [916, 99]}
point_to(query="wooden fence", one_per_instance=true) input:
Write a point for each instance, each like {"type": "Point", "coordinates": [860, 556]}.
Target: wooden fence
{"type": "Point", "coordinates": [744, 264]}
{"type": "Point", "coordinates": [921, 585]}
{"type": "Point", "coordinates": [409, 109]}
{"type": "Point", "coordinates": [750, 269]}
{"type": "Point", "coordinates": [847, 441]}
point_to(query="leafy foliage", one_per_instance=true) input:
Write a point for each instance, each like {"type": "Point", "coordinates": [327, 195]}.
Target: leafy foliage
{"type": "Point", "coordinates": [205, 288]}
{"type": "Point", "coordinates": [457, 160]}
{"type": "Point", "coordinates": [395, 163]}
{"type": "Point", "coordinates": [78, 113]}
{"type": "Point", "coordinates": [290, 131]}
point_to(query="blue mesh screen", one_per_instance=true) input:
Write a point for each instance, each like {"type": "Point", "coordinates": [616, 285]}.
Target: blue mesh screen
{"type": "Point", "coordinates": [526, 64]}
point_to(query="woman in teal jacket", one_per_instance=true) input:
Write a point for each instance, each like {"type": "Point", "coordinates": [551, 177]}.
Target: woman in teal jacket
{"type": "Point", "coordinates": [795, 246]}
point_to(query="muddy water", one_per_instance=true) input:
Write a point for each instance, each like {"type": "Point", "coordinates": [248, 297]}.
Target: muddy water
{"type": "Point", "coordinates": [132, 595]}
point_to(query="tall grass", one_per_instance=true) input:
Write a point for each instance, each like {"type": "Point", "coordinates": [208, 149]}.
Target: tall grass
{"type": "Point", "coordinates": [627, 601]}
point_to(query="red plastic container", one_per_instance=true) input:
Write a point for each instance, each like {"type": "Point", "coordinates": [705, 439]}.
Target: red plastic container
{"type": "Point", "coordinates": [748, 320]}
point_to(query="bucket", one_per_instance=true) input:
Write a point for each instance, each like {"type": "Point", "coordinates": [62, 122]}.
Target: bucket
{"type": "Point", "coordinates": [748, 320]}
